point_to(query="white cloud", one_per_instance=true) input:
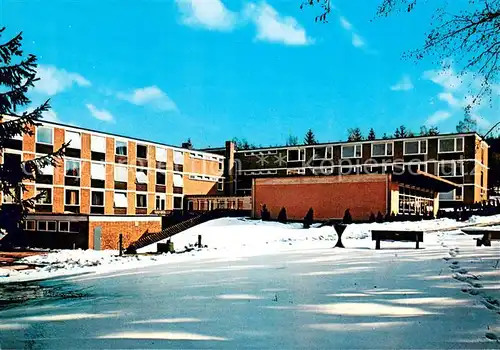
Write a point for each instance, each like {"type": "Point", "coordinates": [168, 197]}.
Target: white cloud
{"type": "Point", "coordinates": [150, 96]}
{"type": "Point", "coordinates": [459, 91]}
{"type": "Point", "coordinates": [51, 116]}
{"type": "Point", "coordinates": [209, 14]}
{"type": "Point", "coordinates": [100, 114]}
{"type": "Point", "coordinates": [437, 117]}
{"type": "Point", "coordinates": [450, 99]}
{"type": "Point", "coordinates": [404, 84]}
{"type": "Point", "coordinates": [357, 41]}
{"type": "Point", "coordinates": [54, 80]}
{"type": "Point", "coordinates": [345, 23]}
{"type": "Point", "coordinates": [273, 27]}
{"type": "Point", "coordinates": [445, 77]}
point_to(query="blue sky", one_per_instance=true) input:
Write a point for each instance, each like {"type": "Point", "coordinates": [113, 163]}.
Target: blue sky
{"type": "Point", "coordinates": [212, 70]}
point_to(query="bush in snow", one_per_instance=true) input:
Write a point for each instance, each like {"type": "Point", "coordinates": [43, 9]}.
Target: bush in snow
{"type": "Point", "coordinates": [347, 217]}
{"type": "Point", "coordinates": [282, 216]}
{"type": "Point", "coordinates": [372, 217]}
{"type": "Point", "coordinates": [308, 219]}
{"type": "Point", "coordinates": [265, 214]}
{"type": "Point", "coordinates": [380, 218]}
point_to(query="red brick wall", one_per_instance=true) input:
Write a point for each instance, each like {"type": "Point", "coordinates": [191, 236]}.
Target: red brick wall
{"type": "Point", "coordinates": [131, 231]}
{"type": "Point", "coordinates": [329, 196]}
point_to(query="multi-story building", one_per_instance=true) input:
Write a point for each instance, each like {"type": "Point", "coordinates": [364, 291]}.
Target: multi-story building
{"type": "Point", "coordinates": [459, 158]}
{"type": "Point", "coordinates": [103, 174]}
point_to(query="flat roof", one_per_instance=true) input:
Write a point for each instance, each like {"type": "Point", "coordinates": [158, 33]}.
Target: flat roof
{"type": "Point", "coordinates": [335, 143]}
{"type": "Point", "coordinates": [76, 128]}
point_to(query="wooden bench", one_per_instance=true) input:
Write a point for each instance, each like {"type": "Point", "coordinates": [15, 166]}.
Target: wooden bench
{"type": "Point", "coordinates": [488, 234]}
{"type": "Point", "coordinates": [400, 236]}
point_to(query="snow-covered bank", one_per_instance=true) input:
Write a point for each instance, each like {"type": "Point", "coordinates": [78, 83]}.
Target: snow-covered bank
{"type": "Point", "coordinates": [233, 237]}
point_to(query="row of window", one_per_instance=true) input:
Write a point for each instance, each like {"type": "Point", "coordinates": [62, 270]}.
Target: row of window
{"type": "Point", "coordinates": [72, 197]}
{"type": "Point", "coordinates": [378, 149]}
{"type": "Point", "coordinates": [51, 226]}
{"type": "Point", "coordinates": [72, 168]}
{"type": "Point", "coordinates": [44, 135]}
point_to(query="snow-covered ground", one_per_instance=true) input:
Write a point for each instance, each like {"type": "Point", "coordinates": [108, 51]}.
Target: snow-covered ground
{"type": "Point", "coordinates": [227, 237]}
{"type": "Point", "coordinates": [275, 286]}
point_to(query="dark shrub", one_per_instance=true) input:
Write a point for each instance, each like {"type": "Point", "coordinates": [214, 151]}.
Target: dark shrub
{"type": "Point", "coordinates": [265, 214]}
{"type": "Point", "coordinates": [308, 219]}
{"type": "Point", "coordinates": [282, 216]}
{"type": "Point", "coordinates": [347, 217]}
{"type": "Point", "coordinates": [372, 217]}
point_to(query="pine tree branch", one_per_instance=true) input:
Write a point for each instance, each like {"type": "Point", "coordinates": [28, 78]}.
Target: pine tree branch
{"type": "Point", "coordinates": [11, 47]}
{"type": "Point", "coordinates": [22, 124]}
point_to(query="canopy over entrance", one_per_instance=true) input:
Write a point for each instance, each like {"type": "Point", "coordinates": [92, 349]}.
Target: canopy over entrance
{"type": "Point", "coordinates": [425, 180]}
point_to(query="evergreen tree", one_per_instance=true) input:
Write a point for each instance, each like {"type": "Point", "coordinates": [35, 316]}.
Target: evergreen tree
{"type": "Point", "coordinates": [402, 132]}
{"type": "Point", "coordinates": [243, 144]}
{"type": "Point", "coordinates": [371, 135]}
{"type": "Point", "coordinates": [17, 75]}
{"type": "Point", "coordinates": [385, 137]}
{"type": "Point", "coordinates": [310, 138]}
{"type": "Point", "coordinates": [292, 140]}
{"type": "Point", "coordinates": [354, 134]}
{"type": "Point", "coordinates": [432, 131]}
{"type": "Point", "coordinates": [468, 124]}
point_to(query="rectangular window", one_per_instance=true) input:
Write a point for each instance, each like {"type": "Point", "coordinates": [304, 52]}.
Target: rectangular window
{"type": "Point", "coordinates": [141, 176]}
{"type": "Point", "coordinates": [51, 226]}
{"type": "Point", "coordinates": [72, 168]}
{"type": "Point", "coordinates": [46, 226]}
{"type": "Point", "coordinates": [141, 200]}
{"type": "Point", "coordinates": [220, 185]}
{"type": "Point", "coordinates": [177, 202]}
{"type": "Point", "coordinates": [47, 170]}
{"type": "Point", "coordinates": [42, 226]}
{"type": "Point", "coordinates": [45, 195]}
{"type": "Point", "coordinates": [97, 198]}
{"type": "Point", "coordinates": [121, 174]}
{"type": "Point", "coordinates": [72, 197]}
{"type": "Point", "coordinates": [63, 226]}
{"type": "Point", "coordinates": [178, 181]}
{"type": "Point", "coordinates": [296, 171]}
{"type": "Point", "coordinates": [415, 147]}
{"type": "Point", "coordinates": [121, 148]}
{"type": "Point", "coordinates": [296, 155]}
{"type": "Point", "coordinates": [447, 196]}
{"type": "Point", "coordinates": [74, 139]}
{"type": "Point", "coordinates": [161, 154]}
{"type": "Point", "coordinates": [323, 152]}
{"type": "Point", "coordinates": [44, 135]}
{"type": "Point", "coordinates": [178, 157]}
{"type": "Point", "coordinates": [221, 165]}
{"type": "Point", "coordinates": [351, 151]}
{"type": "Point", "coordinates": [29, 225]}
{"type": "Point", "coordinates": [381, 149]}
{"type": "Point", "coordinates": [120, 200]}
{"type": "Point", "coordinates": [160, 202]}
{"type": "Point", "coordinates": [160, 178]}
{"type": "Point", "coordinates": [447, 169]}
{"type": "Point", "coordinates": [451, 145]}
{"type": "Point", "coordinates": [8, 198]}
{"type": "Point", "coordinates": [142, 151]}
{"type": "Point", "coordinates": [98, 144]}
{"type": "Point", "coordinates": [98, 171]}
